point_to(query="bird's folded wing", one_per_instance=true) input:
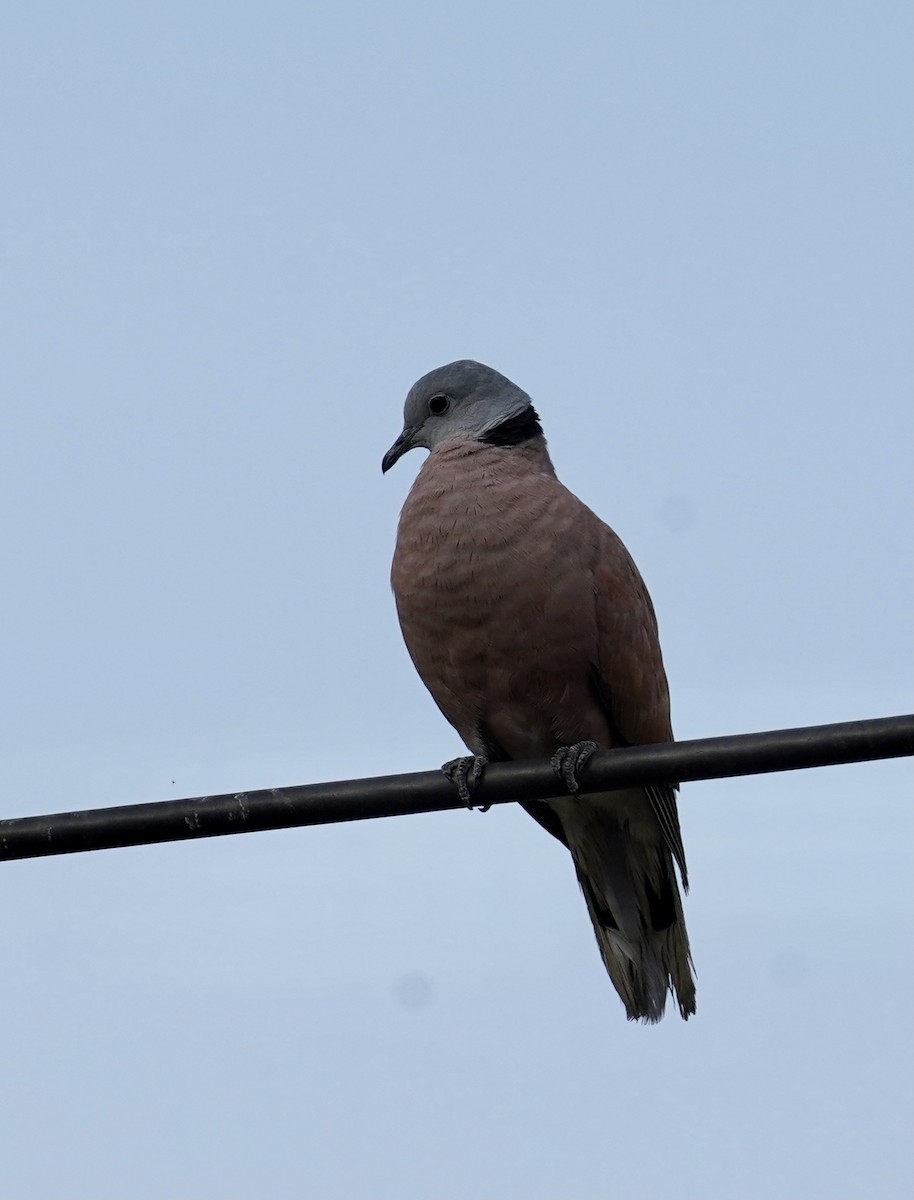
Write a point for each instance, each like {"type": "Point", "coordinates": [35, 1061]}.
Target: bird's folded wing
{"type": "Point", "coordinates": [629, 677]}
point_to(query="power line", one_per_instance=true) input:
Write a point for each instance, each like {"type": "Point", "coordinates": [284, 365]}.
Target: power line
{"type": "Point", "coordinates": [429, 791]}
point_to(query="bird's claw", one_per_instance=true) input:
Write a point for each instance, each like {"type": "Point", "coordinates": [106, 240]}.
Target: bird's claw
{"type": "Point", "coordinates": [465, 773]}
{"type": "Point", "coordinates": [568, 760]}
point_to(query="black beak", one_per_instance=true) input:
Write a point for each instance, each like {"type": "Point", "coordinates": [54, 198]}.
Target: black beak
{"type": "Point", "coordinates": [403, 443]}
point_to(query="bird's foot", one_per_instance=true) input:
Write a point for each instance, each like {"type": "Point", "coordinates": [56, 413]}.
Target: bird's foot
{"type": "Point", "coordinates": [568, 760]}
{"type": "Point", "coordinates": [465, 773]}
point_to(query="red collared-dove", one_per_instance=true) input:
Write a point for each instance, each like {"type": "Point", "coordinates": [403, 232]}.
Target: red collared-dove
{"type": "Point", "coordinates": [532, 629]}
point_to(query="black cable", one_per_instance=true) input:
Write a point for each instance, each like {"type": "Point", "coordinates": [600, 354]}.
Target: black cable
{"type": "Point", "coordinates": [429, 791]}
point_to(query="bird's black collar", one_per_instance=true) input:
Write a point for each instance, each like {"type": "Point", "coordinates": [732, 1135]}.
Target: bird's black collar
{"type": "Point", "coordinates": [516, 430]}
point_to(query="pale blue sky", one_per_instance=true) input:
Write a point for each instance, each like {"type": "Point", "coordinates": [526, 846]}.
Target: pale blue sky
{"type": "Point", "coordinates": [233, 235]}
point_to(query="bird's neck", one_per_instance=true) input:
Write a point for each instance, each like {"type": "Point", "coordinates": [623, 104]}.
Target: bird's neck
{"type": "Point", "coordinates": [516, 430]}
{"type": "Point", "coordinates": [462, 459]}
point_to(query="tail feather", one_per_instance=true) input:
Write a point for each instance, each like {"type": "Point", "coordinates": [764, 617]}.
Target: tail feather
{"type": "Point", "coordinates": [626, 873]}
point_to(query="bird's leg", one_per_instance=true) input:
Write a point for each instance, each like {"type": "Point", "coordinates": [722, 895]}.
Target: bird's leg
{"type": "Point", "coordinates": [465, 773]}
{"type": "Point", "coordinates": [568, 760]}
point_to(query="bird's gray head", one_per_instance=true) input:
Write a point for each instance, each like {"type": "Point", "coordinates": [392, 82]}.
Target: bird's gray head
{"type": "Point", "coordinates": [468, 400]}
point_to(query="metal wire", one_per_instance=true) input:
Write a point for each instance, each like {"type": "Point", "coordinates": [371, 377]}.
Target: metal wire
{"type": "Point", "coordinates": [429, 791]}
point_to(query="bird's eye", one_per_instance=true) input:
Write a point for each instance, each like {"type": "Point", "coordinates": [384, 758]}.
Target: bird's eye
{"type": "Point", "coordinates": [438, 405]}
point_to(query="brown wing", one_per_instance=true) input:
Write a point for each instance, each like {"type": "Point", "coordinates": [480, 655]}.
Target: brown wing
{"type": "Point", "coordinates": [629, 677]}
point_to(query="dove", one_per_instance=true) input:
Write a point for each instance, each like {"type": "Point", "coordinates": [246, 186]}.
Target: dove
{"type": "Point", "coordinates": [529, 623]}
